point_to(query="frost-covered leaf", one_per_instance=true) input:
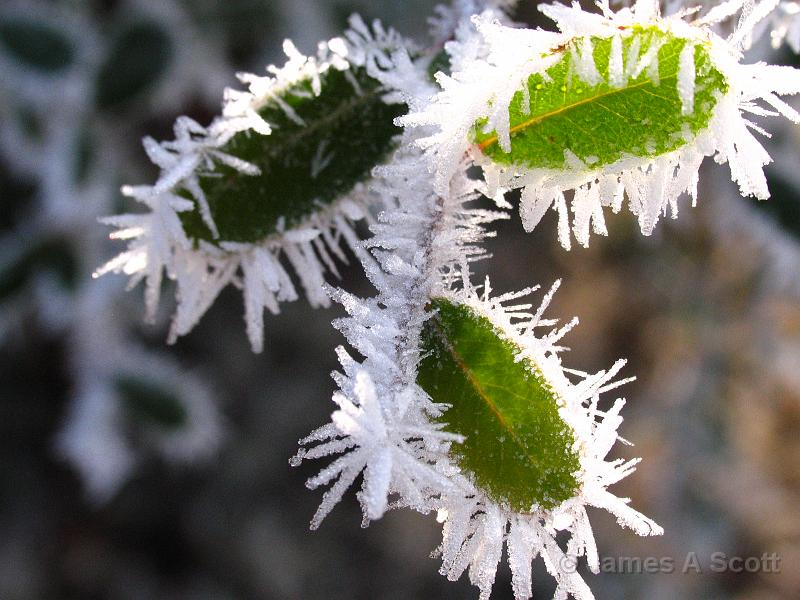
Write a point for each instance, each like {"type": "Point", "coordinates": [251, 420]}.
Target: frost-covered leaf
{"type": "Point", "coordinates": [278, 180]}
{"type": "Point", "coordinates": [617, 105]}
{"type": "Point", "coordinates": [320, 146]}
{"type": "Point", "coordinates": [517, 447]}
{"type": "Point", "coordinates": [151, 403]}
{"type": "Point", "coordinates": [139, 55]}
{"type": "Point", "coordinates": [36, 45]}
{"type": "Point", "coordinates": [665, 99]}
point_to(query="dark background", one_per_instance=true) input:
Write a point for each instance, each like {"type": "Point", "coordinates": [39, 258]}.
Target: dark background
{"type": "Point", "coordinates": [706, 311]}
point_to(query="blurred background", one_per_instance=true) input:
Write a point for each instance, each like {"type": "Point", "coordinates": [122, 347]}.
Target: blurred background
{"type": "Point", "coordinates": [133, 470]}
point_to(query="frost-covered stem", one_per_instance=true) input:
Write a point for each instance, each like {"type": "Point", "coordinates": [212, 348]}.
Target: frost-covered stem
{"type": "Point", "coordinates": [386, 420]}
{"type": "Point", "coordinates": [420, 289]}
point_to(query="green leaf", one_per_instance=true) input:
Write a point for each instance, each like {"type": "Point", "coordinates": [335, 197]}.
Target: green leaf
{"type": "Point", "coordinates": [601, 124]}
{"type": "Point", "coordinates": [36, 45]}
{"type": "Point", "coordinates": [303, 167]}
{"type": "Point", "coordinates": [139, 56]}
{"type": "Point", "coordinates": [151, 403]}
{"type": "Point", "coordinates": [517, 447]}
{"type": "Point", "coordinates": [53, 255]}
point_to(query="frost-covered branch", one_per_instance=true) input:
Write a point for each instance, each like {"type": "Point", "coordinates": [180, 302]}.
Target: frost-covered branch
{"type": "Point", "coordinates": [395, 426]}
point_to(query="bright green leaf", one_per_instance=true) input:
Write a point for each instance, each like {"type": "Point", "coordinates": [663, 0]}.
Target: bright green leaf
{"type": "Point", "coordinates": [517, 447]}
{"type": "Point", "coordinates": [36, 45]}
{"type": "Point", "coordinates": [303, 167]}
{"type": "Point", "coordinates": [139, 56]}
{"type": "Point", "coordinates": [151, 403]}
{"type": "Point", "coordinates": [601, 124]}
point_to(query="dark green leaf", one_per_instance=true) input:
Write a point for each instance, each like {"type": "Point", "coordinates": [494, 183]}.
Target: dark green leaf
{"type": "Point", "coordinates": [54, 255]}
{"type": "Point", "coordinates": [152, 403]}
{"type": "Point", "coordinates": [303, 167]}
{"type": "Point", "coordinates": [602, 124]}
{"type": "Point", "coordinates": [139, 56]}
{"type": "Point", "coordinates": [517, 447]}
{"type": "Point", "coordinates": [36, 45]}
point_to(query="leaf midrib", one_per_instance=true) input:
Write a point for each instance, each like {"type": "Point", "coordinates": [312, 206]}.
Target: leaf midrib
{"type": "Point", "coordinates": [490, 141]}
{"type": "Point", "coordinates": [305, 131]}
{"type": "Point", "coordinates": [459, 360]}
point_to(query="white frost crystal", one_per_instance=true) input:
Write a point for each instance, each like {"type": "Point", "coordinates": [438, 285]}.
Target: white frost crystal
{"type": "Point", "coordinates": [384, 430]}
{"type": "Point", "coordinates": [476, 527]}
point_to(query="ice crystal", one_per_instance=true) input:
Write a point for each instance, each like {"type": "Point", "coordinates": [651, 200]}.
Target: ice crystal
{"type": "Point", "coordinates": [419, 245]}
{"type": "Point", "coordinates": [389, 427]}
{"type": "Point", "coordinates": [448, 18]}
{"type": "Point", "coordinates": [374, 435]}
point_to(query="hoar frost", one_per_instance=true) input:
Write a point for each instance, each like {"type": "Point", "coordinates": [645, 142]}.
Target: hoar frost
{"type": "Point", "coordinates": [386, 427]}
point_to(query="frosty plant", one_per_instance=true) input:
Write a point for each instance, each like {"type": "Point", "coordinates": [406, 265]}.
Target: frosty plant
{"type": "Point", "coordinates": [461, 405]}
